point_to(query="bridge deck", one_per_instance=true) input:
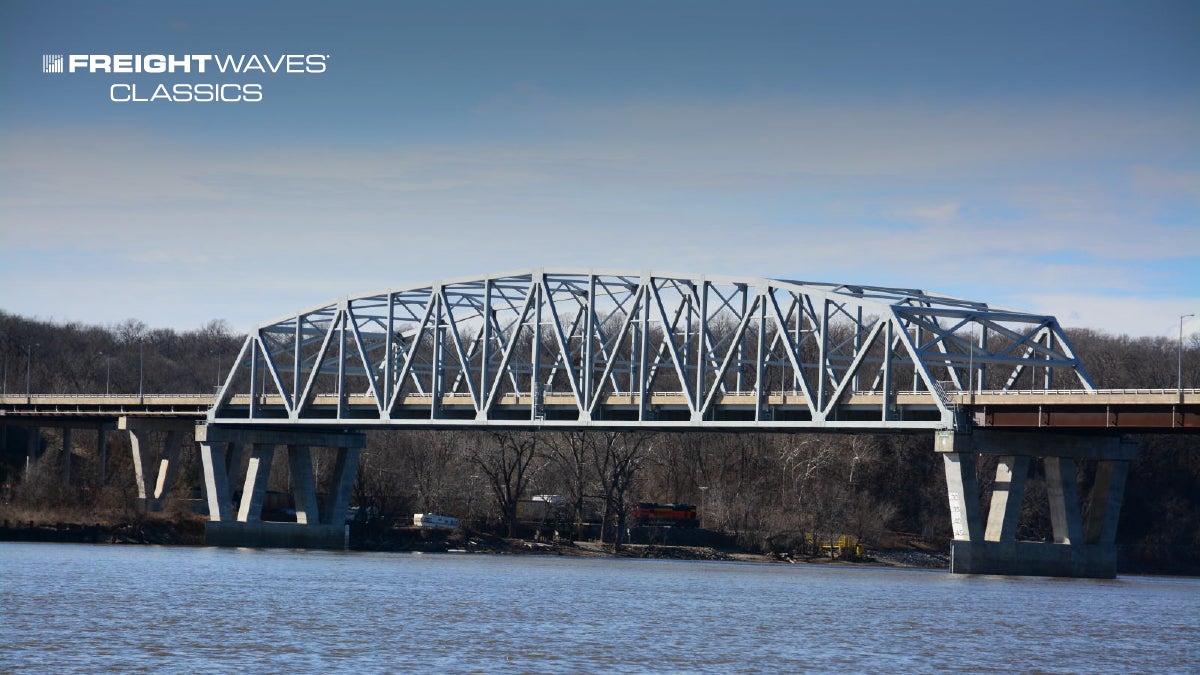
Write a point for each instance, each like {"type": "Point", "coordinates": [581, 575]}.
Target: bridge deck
{"type": "Point", "coordinates": [1132, 409]}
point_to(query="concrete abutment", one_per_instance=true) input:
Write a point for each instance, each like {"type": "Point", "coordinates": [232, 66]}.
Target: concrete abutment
{"type": "Point", "coordinates": [1079, 548]}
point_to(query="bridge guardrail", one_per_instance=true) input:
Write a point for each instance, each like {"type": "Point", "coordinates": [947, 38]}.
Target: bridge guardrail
{"type": "Point", "coordinates": [131, 397]}
{"type": "Point", "coordinates": [1076, 392]}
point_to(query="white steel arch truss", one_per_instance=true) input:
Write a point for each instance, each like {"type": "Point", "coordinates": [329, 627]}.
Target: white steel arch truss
{"type": "Point", "coordinates": [581, 348]}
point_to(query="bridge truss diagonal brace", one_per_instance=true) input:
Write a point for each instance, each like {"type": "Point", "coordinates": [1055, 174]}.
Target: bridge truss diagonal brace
{"type": "Point", "coordinates": [571, 347]}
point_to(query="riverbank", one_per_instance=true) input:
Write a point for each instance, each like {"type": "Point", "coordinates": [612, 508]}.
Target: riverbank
{"type": "Point", "coordinates": [163, 530]}
{"type": "Point", "coordinates": [146, 531]}
{"type": "Point", "coordinates": [470, 542]}
{"type": "Point", "coordinates": [175, 530]}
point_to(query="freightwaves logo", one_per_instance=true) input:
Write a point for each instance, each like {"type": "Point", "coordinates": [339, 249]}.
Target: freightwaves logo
{"type": "Point", "coordinates": [213, 65]}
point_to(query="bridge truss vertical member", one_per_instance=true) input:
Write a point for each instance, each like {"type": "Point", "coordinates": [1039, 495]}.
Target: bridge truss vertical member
{"type": "Point", "coordinates": [580, 348]}
{"type": "Point", "coordinates": [244, 526]}
{"type": "Point", "coordinates": [1080, 548]}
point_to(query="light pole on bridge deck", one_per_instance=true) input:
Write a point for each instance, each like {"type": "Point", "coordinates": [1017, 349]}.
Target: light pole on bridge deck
{"type": "Point", "coordinates": [107, 371]}
{"type": "Point", "coordinates": [217, 355]}
{"type": "Point", "coordinates": [1179, 372]}
{"type": "Point", "coordinates": [28, 371]}
{"type": "Point", "coordinates": [141, 370]}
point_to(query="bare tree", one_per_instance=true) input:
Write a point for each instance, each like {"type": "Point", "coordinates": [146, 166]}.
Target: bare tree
{"type": "Point", "coordinates": [569, 450]}
{"type": "Point", "coordinates": [617, 457]}
{"type": "Point", "coordinates": [506, 463]}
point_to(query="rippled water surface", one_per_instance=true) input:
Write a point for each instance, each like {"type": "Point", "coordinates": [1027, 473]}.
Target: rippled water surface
{"type": "Point", "coordinates": [79, 608]}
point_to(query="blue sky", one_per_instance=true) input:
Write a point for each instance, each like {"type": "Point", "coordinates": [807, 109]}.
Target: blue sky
{"type": "Point", "coordinates": [1039, 155]}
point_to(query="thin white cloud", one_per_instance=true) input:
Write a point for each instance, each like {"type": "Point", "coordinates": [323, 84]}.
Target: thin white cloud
{"type": "Point", "coordinates": [1131, 316]}
{"type": "Point", "coordinates": [1159, 181]}
{"type": "Point", "coordinates": [961, 202]}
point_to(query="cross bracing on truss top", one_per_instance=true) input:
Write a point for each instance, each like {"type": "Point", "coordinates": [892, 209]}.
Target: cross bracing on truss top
{"type": "Point", "coordinates": [575, 348]}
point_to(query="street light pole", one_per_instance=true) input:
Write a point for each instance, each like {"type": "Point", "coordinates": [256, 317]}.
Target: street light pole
{"type": "Point", "coordinates": [141, 371]}
{"type": "Point", "coordinates": [107, 371]}
{"type": "Point", "coordinates": [28, 371]}
{"type": "Point", "coordinates": [1179, 372]}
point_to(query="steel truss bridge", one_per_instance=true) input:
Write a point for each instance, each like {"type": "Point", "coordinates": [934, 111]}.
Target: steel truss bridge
{"type": "Point", "coordinates": [580, 348]}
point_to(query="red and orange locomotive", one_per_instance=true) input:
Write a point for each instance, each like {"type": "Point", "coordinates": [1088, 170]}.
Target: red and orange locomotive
{"type": "Point", "coordinates": [672, 515]}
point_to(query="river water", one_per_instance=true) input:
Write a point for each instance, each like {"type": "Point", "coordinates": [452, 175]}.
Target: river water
{"type": "Point", "coordinates": [81, 608]}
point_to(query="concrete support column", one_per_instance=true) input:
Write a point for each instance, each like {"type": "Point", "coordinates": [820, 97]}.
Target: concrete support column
{"type": "Point", "coordinates": [963, 490]}
{"type": "Point", "coordinates": [66, 456]}
{"type": "Point", "coordinates": [1063, 491]}
{"type": "Point", "coordinates": [998, 551]}
{"type": "Point", "coordinates": [1007, 493]}
{"type": "Point", "coordinates": [168, 466]}
{"type": "Point", "coordinates": [327, 529]}
{"type": "Point", "coordinates": [304, 487]}
{"type": "Point", "coordinates": [216, 481]}
{"type": "Point", "coordinates": [1108, 493]}
{"type": "Point", "coordinates": [102, 454]}
{"type": "Point", "coordinates": [254, 490]}
{"type": "Point", "coordinates": [139, 442]}
{"type": "Point", "coordinates": [233, 460]}
{"type": "Point", "coordinates": [33, 442]}
{"type": "Point", "coordinates": [344, 471]}
{"type": "Point", "coordinates": [140, 429]}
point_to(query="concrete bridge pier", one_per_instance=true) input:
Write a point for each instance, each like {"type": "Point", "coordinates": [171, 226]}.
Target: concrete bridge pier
{"type": "Point", "coordinates": [33, 446]}
{"type": "Point", "coordinates": [140, 442]}
{"type": "Point", "coordinates": [1081, 548]}
{"type": "Point", "coordinates": [220, 452]}
{"type": "Point", "coordinates": [38, 447]}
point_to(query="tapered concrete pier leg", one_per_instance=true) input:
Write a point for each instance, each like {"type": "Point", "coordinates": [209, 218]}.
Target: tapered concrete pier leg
{"type": "Point", "coordinates": [998, 551]}
{"type": "Point", "coordinates": [304, 489]}
{"type": "Point", "coordinates": [139, 442]}
{"type": "Point", "coordinates": [216, 481]}
{"type": "Point", "coordinates": [255, 488]}
{"type": "Point", "coordinates": [1062, 489]}
{"type": "Point", "coordinates": [1108, 493]}
{"type": "Point", "coordinates": [140, 429]}
{"type": "Point", "coordinates": [33, 442]}
{"type": "Point", "coordinates": [68, 441]}
{"type": "Point", "coordinates": [963, 489]}
{"type": "Point", "coordinates": [1007, 493]}
{"type": "Point", "coordinates": [102, 453]}
{"type": "Point", "coordinates": [344, 472]}
{"type": "Point", "coordinates": [233, 461]}
{"type": "Point", "coordinates": [168, 466]}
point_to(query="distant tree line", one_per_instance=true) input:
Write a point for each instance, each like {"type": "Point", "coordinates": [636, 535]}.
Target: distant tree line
{"type": "Point", "coordinates": [74, 358]}
{"type": "Point", "coordinates": [774, 492]}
